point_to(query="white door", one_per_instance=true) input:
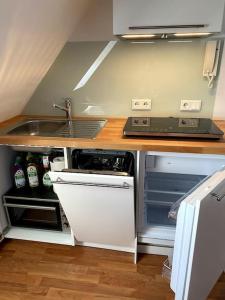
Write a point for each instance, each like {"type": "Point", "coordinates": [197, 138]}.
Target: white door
{"type": "Point", "coordinates": [99, 208]}
{"type": "Point", "coordinates": [199, 249]}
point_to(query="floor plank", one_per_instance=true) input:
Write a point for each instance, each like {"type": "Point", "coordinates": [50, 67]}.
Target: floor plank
{"type": "Point", "coordinates": [39, 271]}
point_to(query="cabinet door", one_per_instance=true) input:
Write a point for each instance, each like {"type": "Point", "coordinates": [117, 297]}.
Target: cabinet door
{"type": "Point", "coordinates": [199, 247]}
{"type": "Point", "coordinates": [99, 208]}
{"type": "Point", "coordinates": [139, 13]}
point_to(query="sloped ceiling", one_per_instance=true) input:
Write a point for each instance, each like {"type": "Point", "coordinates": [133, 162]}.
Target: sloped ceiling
{"type": "Point", "coordinates": [32, 33]}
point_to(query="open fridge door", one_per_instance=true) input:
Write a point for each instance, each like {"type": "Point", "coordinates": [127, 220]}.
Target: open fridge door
{"type": "Point", "coordinates": [198, 258]}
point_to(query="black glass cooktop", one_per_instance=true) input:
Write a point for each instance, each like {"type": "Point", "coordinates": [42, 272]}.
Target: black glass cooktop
{"type": "Point", "coordinates": [172, 127]}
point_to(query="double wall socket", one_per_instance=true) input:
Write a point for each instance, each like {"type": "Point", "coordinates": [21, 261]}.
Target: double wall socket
{"type": "Point", "coordinates": [190, 105]}
{"type": "Point", "coordinates": [141, 104]}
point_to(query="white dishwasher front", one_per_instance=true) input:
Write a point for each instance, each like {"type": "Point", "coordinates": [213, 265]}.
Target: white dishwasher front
{"type": "Point", "coordinates": [99, 208]}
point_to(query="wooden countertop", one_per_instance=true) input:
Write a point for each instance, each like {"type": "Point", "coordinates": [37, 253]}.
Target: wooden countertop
{"type": "Point", "coordinates": [111, 137]}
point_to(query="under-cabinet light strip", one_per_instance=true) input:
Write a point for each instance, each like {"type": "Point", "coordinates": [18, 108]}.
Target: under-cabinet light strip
{"type": "Point", "coordinates": [192, 34]}
{"type": "Point", "coordinates": [138, 36]}
{"type": "Point", "coordinates": [144, 42]}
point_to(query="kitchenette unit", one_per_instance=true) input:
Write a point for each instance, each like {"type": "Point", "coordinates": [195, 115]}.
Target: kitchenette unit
{"type": "Point", "coordinates": [131, 159]}
{"type": "Point", "coordinates": [155, 202]}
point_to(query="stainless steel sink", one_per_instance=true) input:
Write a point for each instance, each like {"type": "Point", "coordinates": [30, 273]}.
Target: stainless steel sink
{"type": "Point", "coordinates": [59, 128]}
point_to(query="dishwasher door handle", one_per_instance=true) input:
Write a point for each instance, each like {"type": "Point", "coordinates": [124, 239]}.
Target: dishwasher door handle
{"type": "Point", "coordinates": [125, 185]}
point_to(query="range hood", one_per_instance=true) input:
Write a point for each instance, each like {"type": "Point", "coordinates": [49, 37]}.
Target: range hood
{"type": "Point", "coordinates": [167, 19]}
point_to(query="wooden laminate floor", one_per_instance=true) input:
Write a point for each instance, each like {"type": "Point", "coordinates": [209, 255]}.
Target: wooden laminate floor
{"type": "Point", "coordinates": [38, 271]}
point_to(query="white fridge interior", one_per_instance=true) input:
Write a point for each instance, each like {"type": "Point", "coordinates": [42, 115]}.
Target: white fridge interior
{"type": "Point", "coordinates": [193, 238]}
{"type": "Point", "coordinates": [165, 178]}
{"type": "Point", "coordinates": [162, 190]}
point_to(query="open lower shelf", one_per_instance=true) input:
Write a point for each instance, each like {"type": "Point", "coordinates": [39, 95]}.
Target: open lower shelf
{"type": "Point", "coordinates": [39, 193]}
{"type": "Point", "coordinates": [38, 235]}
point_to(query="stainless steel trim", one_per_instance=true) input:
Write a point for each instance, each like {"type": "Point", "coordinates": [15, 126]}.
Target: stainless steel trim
{"type": "Point", "coordinates": [30, 206]}
{"type": "Point", "coordinates": [217, 196]}
{"type": "Point", "coordinates": [5, 198]}
{"type": "Point", "coordinates": [99, 172]}
{"type": "Point", "coordinates": [59, 180]}
{"type": "Point", "coordinates": [78, 128]}
{"type": "Point", "coordinates": [167, 26]}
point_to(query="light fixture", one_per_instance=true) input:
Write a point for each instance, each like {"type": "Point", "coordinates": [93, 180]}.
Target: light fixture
{"type": "Point", "coordinates": [192, 34]}
{"type": "Point", "coordinates": [180, 41]}
{"type": "Point", "coordinates": [137, 36]}
{"type": "Point", "coordinates": [142, 42]}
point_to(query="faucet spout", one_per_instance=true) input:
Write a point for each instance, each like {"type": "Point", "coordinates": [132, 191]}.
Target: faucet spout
{"type": "Point", "coordinates": [67, 108]}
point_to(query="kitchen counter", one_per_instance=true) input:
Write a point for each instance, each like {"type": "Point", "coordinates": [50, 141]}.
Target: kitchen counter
{"type": "Point", "coordinates": [111, 137]}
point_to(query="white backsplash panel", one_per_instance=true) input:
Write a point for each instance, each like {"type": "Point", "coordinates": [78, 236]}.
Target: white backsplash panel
{"type": "Point", "coordinates": [164, 71]}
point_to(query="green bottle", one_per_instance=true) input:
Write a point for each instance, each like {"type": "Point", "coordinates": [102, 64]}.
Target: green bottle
{"type": "Point", "coordinates": [46, 178]}
{"type": "Point", "coordinates": [19, 177]}
{"type": "Point", "coordinates": [32, 171]}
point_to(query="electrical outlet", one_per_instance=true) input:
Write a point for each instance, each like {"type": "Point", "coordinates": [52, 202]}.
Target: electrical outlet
{"type": "Point", "coordinates": [141, 104]}
{"type": "Point", "coordinates": [190, 105]}
{"type": "Point", "coordinates": [140, 121]}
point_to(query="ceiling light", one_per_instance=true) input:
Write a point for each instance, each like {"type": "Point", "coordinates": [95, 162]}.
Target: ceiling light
{"type": "Point", "coordinates": [137, 36]}
{"type": "Point", "coordinates": [192, 34]}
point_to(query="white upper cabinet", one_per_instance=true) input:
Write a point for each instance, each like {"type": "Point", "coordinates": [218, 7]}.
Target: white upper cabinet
{"type": "Point", "coordinates": [167, 16]}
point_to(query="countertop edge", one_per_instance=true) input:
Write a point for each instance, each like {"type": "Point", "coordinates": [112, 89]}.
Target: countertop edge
{"type": "Point", "coordinates": [111, 137]}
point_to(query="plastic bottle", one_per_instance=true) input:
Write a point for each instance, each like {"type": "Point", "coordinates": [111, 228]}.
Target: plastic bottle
{"type": "Point", "coordinates": [32, 171]}
{"type": "Point", "coordinates": [18, 173]}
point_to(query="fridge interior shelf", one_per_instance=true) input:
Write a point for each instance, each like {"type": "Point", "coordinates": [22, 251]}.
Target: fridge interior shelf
{"type": "Point", "coordinates": [158, 215]}
{"type": "Point", "coordinates": [162, 190]}
{"type": "Point", "coordinates": [159, 198]}
{"type": "Point", "coordinates": [171, 183]}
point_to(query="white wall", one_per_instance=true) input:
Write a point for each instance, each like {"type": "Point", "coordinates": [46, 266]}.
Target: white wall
{"type": "Point", "coordinates": [32, 33]}
{"type": "Point", "coordinates": [219, 107]}
{"type": "Point", "coordinates": [96, 24]}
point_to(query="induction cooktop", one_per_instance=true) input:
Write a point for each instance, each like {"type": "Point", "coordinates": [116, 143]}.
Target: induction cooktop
{"type": "Point", "coordinates": [172, 127]}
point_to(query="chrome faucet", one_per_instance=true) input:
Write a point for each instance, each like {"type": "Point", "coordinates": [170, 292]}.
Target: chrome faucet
{"type": "Point", "coordinates": [67, 108]}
